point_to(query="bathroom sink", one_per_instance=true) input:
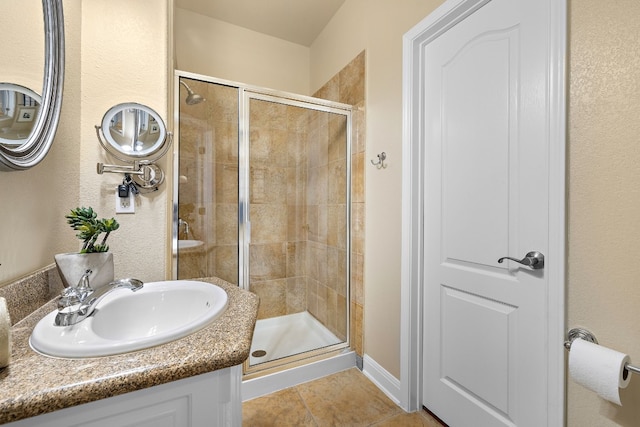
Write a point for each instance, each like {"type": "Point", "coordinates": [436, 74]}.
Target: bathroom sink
{"type": "Point", "coordinates": [126, 321]}
{"type": "Point", "coordinates": [189, 244]}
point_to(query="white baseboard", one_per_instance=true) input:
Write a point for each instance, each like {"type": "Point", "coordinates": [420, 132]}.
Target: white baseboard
{"type": "Point", "coordinates": [386, 382]}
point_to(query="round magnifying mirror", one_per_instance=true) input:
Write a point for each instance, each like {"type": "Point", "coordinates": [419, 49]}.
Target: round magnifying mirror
{"type": "Point", "coordinates": [134, 130]}
{"type": "Point", "coordinates": [19, 107]}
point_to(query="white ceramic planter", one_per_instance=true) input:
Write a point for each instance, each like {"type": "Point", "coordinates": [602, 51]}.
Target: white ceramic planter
{"type": "Point", "coordinates": [72, 266]}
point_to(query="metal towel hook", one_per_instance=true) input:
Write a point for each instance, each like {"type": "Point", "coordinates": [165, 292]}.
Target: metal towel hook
{"type": "Point", "coordinates": [380, 163]}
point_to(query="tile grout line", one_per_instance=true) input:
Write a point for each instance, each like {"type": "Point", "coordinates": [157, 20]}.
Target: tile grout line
{"type": "Point", "coordinates": [304, 402]}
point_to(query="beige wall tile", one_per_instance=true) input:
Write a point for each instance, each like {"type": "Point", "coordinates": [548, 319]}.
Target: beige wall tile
{"type": "Point", "coordinates": [337, 226]}
{"type": "Point", "coordinates": [267, 261]}
{"type": "Point", "coordinates": [321, 312]}
{"type": "Point", "coordinates": [226, 263]}
{"type": "Point", "coordinates": [341, 316]}
{"type": "Point", "coordinates": [272, 295]}
{"type": "Point", "coordinates": [268, 184]}
{"type": "Point", "coordinates": [312, 296]}
{"type": "Point", "coordinates": [357, 178]}
{"type": "Point", "coordinates": [296, 259]}
{"type": "Point", "coordinates": [268, 223]}
{"type": "Point", "coordinates": [296, 294]}
{"type": "Point", "coordinates": [357, 329]}
{"type": "Point", "coordinates": [337, 136]}
{"type": "Point", "coordinates": [332, 309]}
{"type": "Point", "coordinates": [225, 186]}
{"type": "Point", "coordinates": [357, 227]}
{"type": "Point", "coordinates": [357, 282]}
{"type": "Point", "coordinates": [337, 182]}
{"type": "Point", "coordinates": [317, 261]}
{"type": "Point", "coordinates": [352, 81]}
{"type": "Point", "coordinates": [226, 224]}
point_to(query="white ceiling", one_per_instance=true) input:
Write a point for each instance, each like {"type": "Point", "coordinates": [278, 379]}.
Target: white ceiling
{"type": "Point", "coordinates": [298, 21]}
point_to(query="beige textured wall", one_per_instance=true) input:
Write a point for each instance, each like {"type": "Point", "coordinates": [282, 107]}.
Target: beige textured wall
{"type": "Point", "coordinates": [215, 48]}
{"type": "Point", "coordinates": [115, 52]}
{"type": "Point", "coordinates": [124, 59]}
{"type": "Point", "coordinates": [33, 202]}
{"type": "Point", "coordinates": [604, 194]}
{"type": "Point", "coordinates": [26, 54]}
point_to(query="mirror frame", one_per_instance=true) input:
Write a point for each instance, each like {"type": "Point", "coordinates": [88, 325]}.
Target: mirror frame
{"type": "Point", "coordinates": [37, 145]}
{"type": "Point", "coordinates": [149, 154]}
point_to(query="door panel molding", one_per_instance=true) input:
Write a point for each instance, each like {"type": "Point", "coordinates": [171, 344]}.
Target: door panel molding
{"type": "Point", "coordinates": [447, 15]}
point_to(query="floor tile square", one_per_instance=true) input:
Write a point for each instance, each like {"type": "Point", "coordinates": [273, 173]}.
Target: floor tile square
{"type": "Point", "coordinates": [282, 408]}
{"type": "Point", "coordinates": [347, 398]}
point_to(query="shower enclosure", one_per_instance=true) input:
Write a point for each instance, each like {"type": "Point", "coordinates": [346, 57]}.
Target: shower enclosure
{"type": "Point", "coordinates": [262, 200]}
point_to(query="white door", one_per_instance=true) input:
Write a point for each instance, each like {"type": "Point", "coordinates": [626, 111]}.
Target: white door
{"type": "Point", "coordinates": [486, 184]}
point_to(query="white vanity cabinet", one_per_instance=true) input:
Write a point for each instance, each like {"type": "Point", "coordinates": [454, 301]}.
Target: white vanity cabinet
{"type": "Point", "coordinates": [207, 400]}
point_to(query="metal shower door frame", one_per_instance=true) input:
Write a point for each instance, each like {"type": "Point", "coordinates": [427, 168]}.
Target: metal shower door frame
{"type": "Point", "coordinates": [244, 221]}
{"type": "Point", "coordinates": [245, 94]}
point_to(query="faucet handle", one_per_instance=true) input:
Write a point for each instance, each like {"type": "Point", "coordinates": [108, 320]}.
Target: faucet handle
{"type": "Point", "coordinates": [84, 280]}
{"type": "Point", "coordinates": [84, 288]}
{"type": "Point", "coordinates": [68, 298]}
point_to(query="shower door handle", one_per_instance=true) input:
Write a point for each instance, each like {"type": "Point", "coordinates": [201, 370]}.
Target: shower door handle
{"type": "Point", "coordinates": [533, 259]}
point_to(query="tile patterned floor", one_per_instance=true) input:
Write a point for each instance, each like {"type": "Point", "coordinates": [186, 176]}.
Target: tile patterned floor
{"type": "Point", "coordinates": [347, 398]}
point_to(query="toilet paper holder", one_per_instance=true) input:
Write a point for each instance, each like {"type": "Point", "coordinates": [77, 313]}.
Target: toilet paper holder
{"type": "Point", "coordinates": [586, 335]}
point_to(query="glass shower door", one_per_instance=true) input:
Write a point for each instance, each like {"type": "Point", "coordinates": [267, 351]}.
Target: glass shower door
{"type": "Point", "coordinates": [208, 182]}
{"type": "Point", "coordinates": [297, 181]}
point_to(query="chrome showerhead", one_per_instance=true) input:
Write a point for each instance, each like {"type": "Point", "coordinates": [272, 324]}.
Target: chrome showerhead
{"type": "Point", "coordinates": [192, 97]}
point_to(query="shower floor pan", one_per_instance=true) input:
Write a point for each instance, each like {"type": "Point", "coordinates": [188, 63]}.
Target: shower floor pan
{"type": "Point", "coordinates": [287, 335]}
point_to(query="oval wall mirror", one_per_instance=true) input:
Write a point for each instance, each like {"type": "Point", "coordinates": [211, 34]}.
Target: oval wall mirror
{"type": "Point", "coordinates": [19, 107]}
{"type": "Point", "coordinates": [35, 127]}
{"type": "Point", "coordinates": [134, 131]}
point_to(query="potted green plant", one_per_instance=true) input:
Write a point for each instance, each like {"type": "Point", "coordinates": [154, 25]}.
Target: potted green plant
{"type": "Point", "coordinates": [93, 255]}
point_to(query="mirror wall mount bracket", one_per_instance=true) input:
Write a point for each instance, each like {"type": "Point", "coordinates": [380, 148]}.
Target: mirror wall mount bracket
{"type": "Point", "coordinates": [37, 145]}
{"type": "Point", "coordinates": [147, 176]}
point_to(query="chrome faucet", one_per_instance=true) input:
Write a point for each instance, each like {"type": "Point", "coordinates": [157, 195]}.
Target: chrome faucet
{"type": "Point", "coordinates": [185, 224]}
{"type": "Point", "coordinates": [77, 303]}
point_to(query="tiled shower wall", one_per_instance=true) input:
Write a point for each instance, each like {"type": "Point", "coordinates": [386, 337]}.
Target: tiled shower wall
{"type": "Point", "coordinates": [298, 212]}
{"type": "Point", "coordinates": [297, 254]}
{"type": "Point", "coordinates": [307, 269]}
{"type": "Point", "coordinates": [326, 219]}
{"type": "Point", "coordinates": [278, 193]}
{"type": "Point", "coordinates": [348, 86]}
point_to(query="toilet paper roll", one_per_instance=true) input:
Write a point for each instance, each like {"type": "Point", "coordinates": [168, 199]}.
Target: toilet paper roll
{"type": "Point", "coordinates": [599, 369]}
{"type": "Point", "coordinates": [5, 334]}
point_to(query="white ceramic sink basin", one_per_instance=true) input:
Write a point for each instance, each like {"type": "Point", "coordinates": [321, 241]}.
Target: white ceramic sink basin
{"type": "Point", "coordinates": [126, 321]}
{"type": "Point", "coordinates": [189, 244]}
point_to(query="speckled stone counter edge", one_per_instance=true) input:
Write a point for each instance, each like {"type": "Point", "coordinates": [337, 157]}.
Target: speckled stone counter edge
{"type": "Point", "coordinates": [29, 293]}
{"type": "Point", "coordinates": [34, 384]}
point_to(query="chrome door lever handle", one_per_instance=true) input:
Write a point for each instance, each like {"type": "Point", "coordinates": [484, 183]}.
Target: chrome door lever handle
{"type": "Point", "coordinates": [534, 260]}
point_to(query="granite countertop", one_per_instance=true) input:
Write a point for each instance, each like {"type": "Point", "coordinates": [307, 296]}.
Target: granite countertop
{"type": "Point", "coordinates": [34, 384]}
